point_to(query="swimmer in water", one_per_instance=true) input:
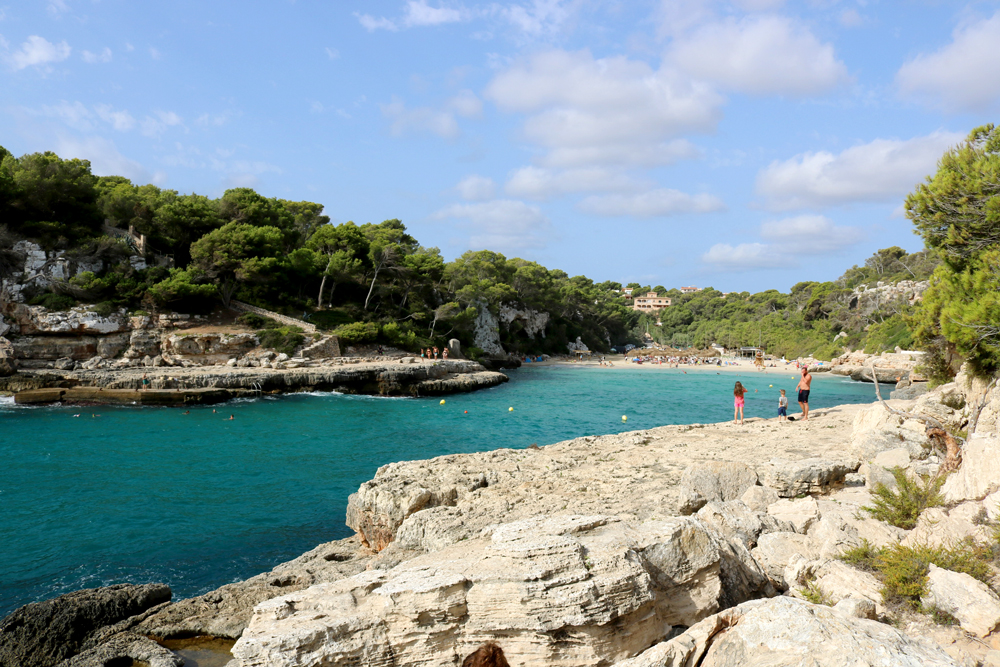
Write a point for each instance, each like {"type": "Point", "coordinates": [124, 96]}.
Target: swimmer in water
{"type": "Point", "coordinates": [231, 418]}
{"type": "Point", "coordinates": [187, 412]}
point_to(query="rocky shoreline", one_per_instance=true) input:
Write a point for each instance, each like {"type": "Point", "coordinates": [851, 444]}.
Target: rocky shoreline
{"type": "Point", "coordinates": [407, 376]}
{"type": "Point", "coordinates": [710, 544]}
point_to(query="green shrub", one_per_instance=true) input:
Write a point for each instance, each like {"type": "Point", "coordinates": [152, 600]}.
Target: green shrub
{"type": "Point", "coordinates": [397, 336]}
{"type": "Point", "coordinates": [140, 313]}
{"type": "Point", "coordinates": [53, 301]}
{"type": "Point", "coordinates": [103, 309]}
{"type": "Point", "coordinates": [903, 570]}
{"type": "Point", "coordinates": [812, 593]}
{"type": "Point", "coordinates": [357, 332]}
{"type": "Point", "coordinates": [902, 506]}
{"type": "Point", "coordinates": [255, 321]}
{"type": "Point", "coordinates": [282, 339]}
{"type": "Point", "coordinates": [862, 556]}
{"type": "Point", "coordinates": [474, 353]}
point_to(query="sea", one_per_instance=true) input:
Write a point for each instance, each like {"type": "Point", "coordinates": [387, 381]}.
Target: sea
{"type": "Point", "coordinates": [91, 496]}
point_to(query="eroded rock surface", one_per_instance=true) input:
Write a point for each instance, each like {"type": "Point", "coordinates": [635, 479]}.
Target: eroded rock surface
{"type": "Point", "coordinates": [568, 590]}
{"type": "Point", "coordinates": [785, 632]}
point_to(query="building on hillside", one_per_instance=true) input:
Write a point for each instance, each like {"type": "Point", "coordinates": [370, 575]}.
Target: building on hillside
{"type": "Point", "coordinates": [627, 291]}
{"type": "Point", "coordinates": [650, 302]}
{"type": "Point", "coordinates": [690, 289]}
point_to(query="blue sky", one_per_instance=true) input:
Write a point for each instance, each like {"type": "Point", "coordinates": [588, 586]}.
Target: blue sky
{"type": "Point", "coordinates": [744, 145]}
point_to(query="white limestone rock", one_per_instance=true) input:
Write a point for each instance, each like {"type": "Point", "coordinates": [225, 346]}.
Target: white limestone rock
{"type": "Point", "coordinates": [976, 607]}
{"type": "Point", "coordinates": [800, 513]}
{"type": "Point", "coordinates": [979, 475]}
{"type": "Point", "coordinates": [838, 580]}
{"type": "Point", "coordinates": [812, 475]}
{"type": "Point", "coordinates": [713, 481]}
{"type": "Point", "coordinates": [857, 608]}
{"type": "Point", "coordinates": [786, 632]}
{"type": "Point", "coordinates": [936, 527]}
{"type": "Point", "coordinates": [735, 521]}
{"type": "Point", "coordinates": [775, 550]}
{"type": "Point", "coordinates": [553, 590]}
{"type": "Point", "coordinates": [758, 498]}
{"type": "Point", "coordinates": [876, 430]}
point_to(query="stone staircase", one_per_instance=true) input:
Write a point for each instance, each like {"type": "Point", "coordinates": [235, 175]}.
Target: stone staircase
{"type": "Point", "coordinates": [284, 319]}
{"type": "Point", "coordinates": [324, 348]}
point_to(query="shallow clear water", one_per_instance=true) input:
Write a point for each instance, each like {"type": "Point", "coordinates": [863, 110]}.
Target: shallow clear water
{"type": "Point", "coordinates": [196, 501]}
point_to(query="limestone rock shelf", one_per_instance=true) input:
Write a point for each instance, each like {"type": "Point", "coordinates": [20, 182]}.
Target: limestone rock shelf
{"type": "Point", "coordinates": [179, 386]}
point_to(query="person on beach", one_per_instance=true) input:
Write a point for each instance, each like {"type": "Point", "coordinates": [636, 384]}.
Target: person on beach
{"type": "Point", "coordinates": [435, 352]}
{"type": "Point", "coordinates": [145, 381]}
{"type": "Point", "coordinates": [738, 393]}
{"type": "Point", "coordinates": [803, 387]}
{"type": "Point", "coordinates": [444, 353]}
{"type": "Point", "coordinates": [782, 407]}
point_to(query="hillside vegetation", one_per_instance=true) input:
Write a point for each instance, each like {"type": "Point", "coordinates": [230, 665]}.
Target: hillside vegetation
{"type": "Point", "coordinates": [374, 282]}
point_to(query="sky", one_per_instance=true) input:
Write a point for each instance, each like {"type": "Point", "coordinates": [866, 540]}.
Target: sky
{"type": "Point", "coordinates": [744, 145]}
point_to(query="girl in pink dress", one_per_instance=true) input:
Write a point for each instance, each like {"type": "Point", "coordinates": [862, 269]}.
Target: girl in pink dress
{"type": "Point", "coordinates": [738, 393]}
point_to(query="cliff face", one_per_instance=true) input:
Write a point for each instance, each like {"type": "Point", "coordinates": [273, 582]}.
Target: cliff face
{"type": "Point", "coordinates": [868, 300]}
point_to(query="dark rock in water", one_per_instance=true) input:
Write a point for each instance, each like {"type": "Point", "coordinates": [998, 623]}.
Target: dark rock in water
{"type": "Point", "coordinates": [499, 363]}
{"type": "Point", "coordinates": [43, 634]}
{"type": "Point", "coordinates": [123, 649]}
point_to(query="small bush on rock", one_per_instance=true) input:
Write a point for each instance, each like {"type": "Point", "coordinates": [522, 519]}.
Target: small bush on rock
{"type": "Point", "coordinates": [901, 507]}
{"type": "Point", "coordinates": [103, 309]}
{"type": "Point", "coordinates": [357, 332]}
{"type": "Point", "coordinates": [903, 570]}
{"type": "Point", "coordinates": [283, 339]}
{"type": "Point", "coordinates": [53, 301]}
{"type": "Point", "coordinates": [862, 556]}
{"type": "Point", "coordinates": [255, 321]}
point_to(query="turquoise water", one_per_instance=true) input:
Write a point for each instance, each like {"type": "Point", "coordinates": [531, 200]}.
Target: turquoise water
{"type": "Point", "coordinates": [197, 501]}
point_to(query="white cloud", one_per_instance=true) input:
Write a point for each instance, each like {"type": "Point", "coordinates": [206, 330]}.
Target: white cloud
{"type": "Point", "coordinates": [476, 188]}
{"type": "Point", "coordinates": [850, 18]}
{"type": "Point", "coordinates": [502, 224]}
{"type": "Point", "coordinates": [883, 169]}
{"type": "Point", "coordinates": [623, 154]}
{"type": "Point", "coordinates": [38, 51]}
{"type": "Point", "coordinates": [809, 235]}
{"type": "Point", "coordinates": [417, 13]}
{"type": "Point", "coordinates": [213, 120]}
{"type": "Point", "coordinates": [760, 55]}
{"type": "Point", "coordinates": [583, 109]}
{"type": "Point", "coordinates": [743, 256]}
{"type": "Point", "coordinates": [154, 53]}
{"type": "Point", "coordinates": [964, 75]}
{"type": "Point", "coordinates": [652, 204]}
{"type": "Point", "coordinates": [540, 184]}
{"type": "Point", "coordinates": [441, 123]}
{"type": "Point", "coordinates": [75, 114]}
{"type": "Point", "coordinates": [539, 17]}
{"type": "Point", "coordinates": [105, 160]}
{"type": "Point", "coordinates": [787, 240]}
{"type": "Point", "coordinates": [466, 104]}
{"type": "Point", "coordinates": [57, 8]}
{"type": "Point", "coordinates": [103, 57]}
{"type": "Point", "coordinates": [120, 120]}
{"type": "Point", "coordinates": [332, 54]}
{"type": "Point", "coordinates": [155, 126]}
